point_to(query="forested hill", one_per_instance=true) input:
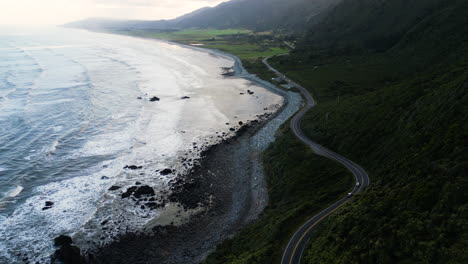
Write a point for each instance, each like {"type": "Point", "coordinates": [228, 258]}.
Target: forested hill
{"type": "Point", "coordinates": [390, 78]}
{"type": "Point", "coordinates": [249, 14]}
{"type": "Point", "coordinates": [375, 25]}
{"type": "Point", "coordinates": [392, 91]}
{"type": "Point", "coordinates": [259, 14]}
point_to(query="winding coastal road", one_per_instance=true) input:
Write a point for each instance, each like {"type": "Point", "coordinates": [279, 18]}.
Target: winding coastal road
{"type": "Point", "coordinates": [293, 251]}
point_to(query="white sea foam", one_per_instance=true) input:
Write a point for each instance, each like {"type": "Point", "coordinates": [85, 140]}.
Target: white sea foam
{"type": "Point", "coordinates": [53, 148]}
{"type": "Point", "coordinates": [15, 191]}
{"type": "Point", "coordinates": [34, 228]}
{"type": "Point", "coordinates": [113, 122]}
{"type": "Point", "coordinates": [60, 101]}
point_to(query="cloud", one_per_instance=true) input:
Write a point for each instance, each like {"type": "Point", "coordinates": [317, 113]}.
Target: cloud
{"type": "Point", "coordinates": [62, 11]}
{"type": "Point", "coordinates": [156, 3]}
{"type": "Point", "coordinates": [150, 9]}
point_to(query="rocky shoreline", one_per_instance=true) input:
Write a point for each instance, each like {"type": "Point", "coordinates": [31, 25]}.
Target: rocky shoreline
{"type": "Point", "coordinates": [226, 184]}
{"type": "Point", "coordinates": [220, 183]}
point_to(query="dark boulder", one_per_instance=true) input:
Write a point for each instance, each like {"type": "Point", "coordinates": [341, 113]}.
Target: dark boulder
{"type": "Point", "coordinates": [232, 73]}
{"type": "Point", "coordinates": [133, 167]}
{"type": "Point", "coordinates": [129, 192]}
{"type": "Point", "coordinates": [138, 192]}
{"type": "Point", "coordinates": [144, 190]}
{"type": "Point", "coordinates": [165, 172]}
{"type": "Point", "coordinates": [250, 92]}
{"type": "Point", "coordinates": [154, 99]}
{"type": "Point", "coordinates": [67, 253]}
{"type": "Point", "coordinates": [62, 241]}
{"type": "Point", "coordinates": [185, 97]}
{"type": "Point", "coordinates": [139, 98]}
{"type": "Point", "coordinates": [48, 205]}
{"type": "Point", "coordinates": [241, 123]}
{"type": "Point", "coordinates": [113, 188]}
{"type": "Point", "coordinates": [153, 205]}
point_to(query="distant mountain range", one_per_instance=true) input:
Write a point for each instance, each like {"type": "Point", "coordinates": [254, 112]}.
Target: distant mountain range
{"type": "Point", "coordinates": [250, 14]}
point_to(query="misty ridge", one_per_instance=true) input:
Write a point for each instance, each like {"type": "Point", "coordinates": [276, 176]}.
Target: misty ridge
{"type": "Point", "coordinates": [252, 14]}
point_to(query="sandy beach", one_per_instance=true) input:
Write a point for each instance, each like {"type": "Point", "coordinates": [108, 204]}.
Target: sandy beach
{"type": "Point", "coordinates": [225, 189]}
{"type": "Point", "coordinates": [112, 128]}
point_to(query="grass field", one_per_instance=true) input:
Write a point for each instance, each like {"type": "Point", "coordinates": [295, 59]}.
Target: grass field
{"type": "Point", "coordinates": [198, 34]}
{"type": "Point", "coordinates": [246, 44]}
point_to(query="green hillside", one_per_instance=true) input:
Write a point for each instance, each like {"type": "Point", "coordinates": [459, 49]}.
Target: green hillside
{"type": "Point", "coordinates": [406, 124]}
{"type": "Point", "coordinates": [298, 189]}
{"type": "Point", "coordinates": [399, 109]}
{"type": "Point", "coordinates": [390, 78]}
{"type": "Point", "coordinates": [359, 25]}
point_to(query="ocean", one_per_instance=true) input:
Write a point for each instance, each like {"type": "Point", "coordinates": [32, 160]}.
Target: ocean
{"type": "Point", "coordinates": [76, 109]}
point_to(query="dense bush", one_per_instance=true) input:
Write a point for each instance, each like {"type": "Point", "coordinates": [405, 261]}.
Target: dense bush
{"type": "Point", "coordinates": [391, 81]}
{"type": "Point", "coordinates": [300, 184]}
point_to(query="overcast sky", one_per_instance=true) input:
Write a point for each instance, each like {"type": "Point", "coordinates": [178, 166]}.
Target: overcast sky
{"type": "Point", "coordinates": [62, 11]}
